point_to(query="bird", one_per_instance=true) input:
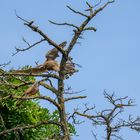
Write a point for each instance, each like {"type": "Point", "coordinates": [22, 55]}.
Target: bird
{"type": "Point", "coordinates": [32, 90]}
{"type": "Point", "coordinates": [53, 53]}
{"type": "Point", "coordinates": [38, 69]}
{"type": "Point", "coordinates": [69, 68]}
{"type": "Point", "coordinates": [45, 67]}
{"type": "Point", "coordinates": [51, 65]}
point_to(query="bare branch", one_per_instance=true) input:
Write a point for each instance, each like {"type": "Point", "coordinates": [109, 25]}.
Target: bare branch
{"type": "Point", "coordinates": [118, 137]}
{"type": "Point", "coordinates": [73, 98]}
{"type": "Point", "coordinates": [94, 135]}
{"type": "Point", "coordinates": [49, 87]}
{"type": "Point", "coordinates": [90, 29]}
{"type": "Point", "coordinates": [119, 101]}
{"type": "Point", "coordinates": [86, 115]}
{"type": "Point", "coordinates": [101, 8]}
{"type": "Point", "coordinates": [4, 64]}
{"type": "Point", "coordinates": [29, 46]}
{"type": "Point", "coordinates": [22, 18]}
{"type": "Point", "coordinates": [73, 92]}
{"type": "Point", "coordinates": [97, 4]}
{"type": "Point", "coordinates": [38, 97]}
{"type": "Point", "coordinates": [24, 83]}
{"type": "Point", "coordinates": [29, 126]}
{"type": "Point", "coordinates": [83, 25]}
{"type": "Point", "coordinates": [74, 117]}
{"type": "Point", "coordinates": [104, 117]}
{"type": "Point", "coordinates": [15, 86]}
{"type": "Point", "coordinates": [40, 32]}
{"type": "Point", "coordinates": [108, 116]}
{"type": "Point", "coordinates": [65, 23]}
{"type": "Point", "coordinates": [88, 108]}
{"type": "Point", "coordinates": [51, 42]}
{"type": "Point", "coordinates": [90, 8]}
{"type": "Point", "coordinates": [77, 12]}
{"type": "Point", "coordinates": [49, 75]}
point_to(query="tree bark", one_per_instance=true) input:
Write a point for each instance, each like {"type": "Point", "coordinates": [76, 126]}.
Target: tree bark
{"type": "Point", "coordinates": [60, 97]}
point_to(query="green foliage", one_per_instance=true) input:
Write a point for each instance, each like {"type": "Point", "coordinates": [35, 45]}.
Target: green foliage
{"type": "Point", "coordinates": [30, 112]}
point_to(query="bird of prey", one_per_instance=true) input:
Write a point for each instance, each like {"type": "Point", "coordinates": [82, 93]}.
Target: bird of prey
{"type": "Point", "coordinates": [38, 69]}
{"type": "Point", "coordinates": [51, 65]}
{"type": "Point", "coordinates": [32, 90]}
{"type": "Point", "coordinates": [45, 67]}
{"type": "Point", "coordinates": [69, 68]}
{"type": "Point", "coordinates": [53, 53]}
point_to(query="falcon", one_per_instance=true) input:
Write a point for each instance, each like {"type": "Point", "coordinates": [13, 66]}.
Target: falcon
{"type": "Point", "coordinates": [69, 68]}
{"type": "Point", "coordinates": [53, 53]}
{"type": "Point", "coordinates": [32, 90]}
{"type": "Point", "coordinates": [48, 65]}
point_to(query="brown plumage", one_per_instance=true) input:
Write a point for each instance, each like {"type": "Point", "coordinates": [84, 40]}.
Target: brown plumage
{"type": "Point", "coordinates": [32, 90]}
{"type": "Point", "coordinates": [38, 69]}
{"type": "Point", "coordinates": [70, 68]}
{"type": "Point", "coordinates": [51, 65]}
{"type": "Point", "coordinates": [53, 53]}
{"type": "Point", "coordinates": [46, 66]}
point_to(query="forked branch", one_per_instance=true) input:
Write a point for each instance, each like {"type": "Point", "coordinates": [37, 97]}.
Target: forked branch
{"type": "Point", "coordinates": [29, 126]}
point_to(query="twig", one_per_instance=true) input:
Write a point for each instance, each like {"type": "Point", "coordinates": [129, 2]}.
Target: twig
{"type": "Point", "coordinates": [29, 126]}
{"type": "Point", "coordinates": [49, 87]}
{"type": "Point", "coordinates": [94, 135]}
{"type": "Point", "coordinates": [83, 25]}
{"type": "Point", "coordinates": [38, 97]}
{"type": "Point", "coordinates": [90, 29]}
{"type": "Point", "coordinates": [73, 98]}
{"type": "Point", "coordinates": [40, 32]}
{"type": "Point", "coordinates": [4, 64]}
{"type": "Point", "coordinates": [65, 23]}
{"type": "Point", "coordinates": [29, 74]}
{"type": "Point", "coordinates": [77, 12]}
{"type": "Point", "coordinates": [30, 46]}
{"type": "Point", "coordinates": [74, 92]}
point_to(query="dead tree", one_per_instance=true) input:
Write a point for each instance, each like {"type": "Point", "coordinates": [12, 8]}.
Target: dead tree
{"type": "Point", "coordinates": [60, 71]}
{"type": "Point", "coordinates": [110, 118]}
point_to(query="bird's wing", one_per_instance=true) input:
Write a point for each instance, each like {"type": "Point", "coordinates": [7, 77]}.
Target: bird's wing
{"type": "Point", "coordinates": [70, 68]}
{"type": "Point", "coordinates": [51, 65]}
{"type": "Point", "coordinates": [32, 89]}
{"type": "Point", "coordinates": [53, 53]}
{"type": "Point", "coordinates": [38, 69]}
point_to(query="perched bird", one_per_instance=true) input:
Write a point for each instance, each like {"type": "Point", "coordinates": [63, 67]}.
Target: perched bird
{"type": "Point", "coordinates": [69, 69]}
{"type": "Point", "coordinates": [38, 69]}
{"type": "Point", "coordinates": [45, 67]}
{"type": "Point", "coordinates": [53, 53]}
{"type": "Point", "coordinates": [32, 90]}
{"type": "Point", "coordinates": [51, 65]}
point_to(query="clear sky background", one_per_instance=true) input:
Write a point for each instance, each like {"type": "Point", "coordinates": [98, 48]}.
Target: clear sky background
{"type": "Point", "coordinates": [110, 58]}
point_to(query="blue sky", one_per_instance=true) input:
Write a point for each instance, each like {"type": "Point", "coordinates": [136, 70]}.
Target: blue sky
{"type": "Point", "coordinates": [110, 58]}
